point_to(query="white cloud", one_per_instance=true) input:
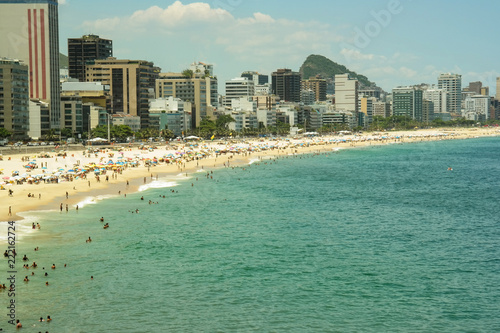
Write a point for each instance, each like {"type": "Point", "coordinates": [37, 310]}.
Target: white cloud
{"type": "Point", "coordinates": [200, 29]}
{"type": "Point", "coordinates": [62, 2]}
{"type": "Point", "coordinates": [175, 16]}
{"type": "Point", "coordinates": [180, 14]}
{"type": "Point", "coordinates": [257, 18]}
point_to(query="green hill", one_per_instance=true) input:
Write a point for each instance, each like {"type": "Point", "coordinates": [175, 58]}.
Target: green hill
{"type": "Point", "coordinates": [63, 61]}
{"type": "Point", "coordinates": [318, 64]}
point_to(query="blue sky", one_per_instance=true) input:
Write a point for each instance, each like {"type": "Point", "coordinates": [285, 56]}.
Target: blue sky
{"type": "Point", "coordinates": [393, 42]}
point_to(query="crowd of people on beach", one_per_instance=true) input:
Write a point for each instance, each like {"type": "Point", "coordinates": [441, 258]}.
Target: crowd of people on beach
{"type": "Point", "coordinates": [221, 155]}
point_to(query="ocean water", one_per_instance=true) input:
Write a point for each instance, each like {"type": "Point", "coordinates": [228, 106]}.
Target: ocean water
{"type": "Point", "coordinates": [376, 239]}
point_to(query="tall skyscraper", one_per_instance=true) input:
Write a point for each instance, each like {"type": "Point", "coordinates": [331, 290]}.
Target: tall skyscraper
{"type": "Point", "coordinates": [131, 84]}
{"type": "Point", "coordinates": [407, 101]}
{"type": "Point", "coordinates": [438, 97]}
{"type": "Point", "coordinates": [14, 98]}
{"type": "Point", "coordinates": [199, 90]}
{"type": "Point", "coordinates": [476, 87]}
{"type": "Point", "coordinates": [346, 93]}
{"type": "Point", "coordinates": [86, 49]}
{"type": "Point", "coordinates": [30, 33]}
{"type": "Point", "coordinates": [318, 85]}
{"type": "Point", "coordinates": [286, 84]}
{"type": "Point", "coordinates": [453, 84]}
{"type": "Point", "coordinates": [237, 88]}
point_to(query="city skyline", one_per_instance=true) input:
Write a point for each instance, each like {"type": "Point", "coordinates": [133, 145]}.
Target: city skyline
{"type": "Point", "coordinates": [394, 43]}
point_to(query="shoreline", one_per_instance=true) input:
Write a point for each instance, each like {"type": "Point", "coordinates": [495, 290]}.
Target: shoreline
{"type": "Point", "coordinates": [52, 196]}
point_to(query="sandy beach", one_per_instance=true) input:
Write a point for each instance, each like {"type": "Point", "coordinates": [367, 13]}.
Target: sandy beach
{"type": "Point", "coordinates": [60, 180]}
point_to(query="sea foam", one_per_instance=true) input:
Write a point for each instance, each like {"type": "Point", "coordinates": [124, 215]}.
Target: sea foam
{"type": "Point", "coordinates": [157, 184]}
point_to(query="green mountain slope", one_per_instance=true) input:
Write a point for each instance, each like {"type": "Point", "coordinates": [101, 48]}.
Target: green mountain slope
{"type": "Point", "coordinates": [63, 61]}
{"type": "Point", "coordinates": [318, 64]}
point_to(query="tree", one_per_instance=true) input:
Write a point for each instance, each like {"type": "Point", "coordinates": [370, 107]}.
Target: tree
{"type": "Point", "coordinates": [207, 127]}
{"type": "Point", "coordinates": [121, 132]}
{"type": "Point", "coordinates": [149, 132]}
{"type": "Point", "coordinates": [66, 132]}
{"type": "Point", "coordinates": [100, 131]}
{"type": "Point", "coordinates": [282, 128]}
{"type": "Point", "coordinates": [51, 135]}
{"type": "Point", "coordinates": [223, 121]}
{"type": "Point", "coordinates": [4, 133]}
{"type": "Point", "coordinates": [188, 73]}
{"type": "Point", "coordinates": [168, 133]}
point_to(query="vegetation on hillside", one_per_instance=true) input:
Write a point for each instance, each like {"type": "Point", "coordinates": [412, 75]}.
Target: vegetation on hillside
{"type": "Point", "coordinates": [318, 64]}
{"type": "Point", "coordinates": [63, 61]}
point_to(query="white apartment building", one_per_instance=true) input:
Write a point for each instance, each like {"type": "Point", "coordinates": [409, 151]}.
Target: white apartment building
{"type": "Point", "coordinates": [243, 104]}
{"type": "Point", "coordinates": [453, 84]}
{"type": "Point", "coordinates": [477, 108]}
{"type": "Point", "coordinates": [238, 87]}
{"type": "Point", "coordinates": [439, 97]}
{"type": "Point", "coordinates": [346, 93]}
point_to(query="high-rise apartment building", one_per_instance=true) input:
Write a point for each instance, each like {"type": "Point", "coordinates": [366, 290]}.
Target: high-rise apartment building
{"type": "Point", "coordinates": [72, 117]}
{"type": "Point", "coordinates": [366, 107]}
{"type": "Point", "coordinates": [498, 88]}
{"type": "Point", "coordinates": [407, 101]}
{"type": "Point", "coordinates": [130, 84]}
{"type": "Point", "coordinates": [453, 84]}
{"type": "Point", "coordinates": [438, 97]}
{"type": "Point", "coordinates": [14, 97]}
{"type": "Point", "coordinates": [381, 109]}
{"type": "Point", "coordinates": [475, 87]}
{"type": "Point", "coordinates": [198, 89]}
{"type": "Point", "coordinates": [84, 50]}
{"type": "Point", "coordinates": [29, 32]}
{"type": "Point", "coordinates": [485, 91]}
{"type": "Point", "coordinates": [427, 111]}
{"type": "Point", "coordinates": [477, 108]}
{"type": "Point", "coordinates": [237, 88]}
{"type": "Point", "coordinates": [286, 84]}
{"type": "Point", "coordinates": [346, 93]}
{"type": "Point", "coordinates": [317, 85]}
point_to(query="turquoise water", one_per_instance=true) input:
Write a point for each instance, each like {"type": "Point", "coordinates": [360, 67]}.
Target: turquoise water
{"type": "Point", "coordinates": [380, 239]}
